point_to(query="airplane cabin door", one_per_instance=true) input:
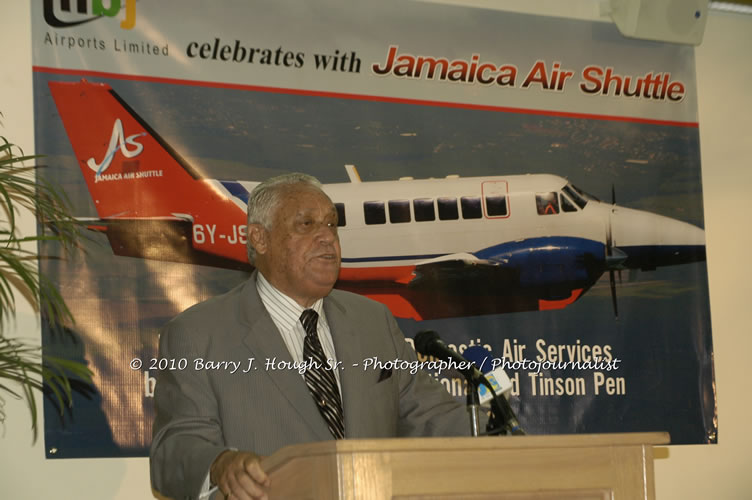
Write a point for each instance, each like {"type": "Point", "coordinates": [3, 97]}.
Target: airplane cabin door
{"type": "Point", "coordinates": [495, 199]}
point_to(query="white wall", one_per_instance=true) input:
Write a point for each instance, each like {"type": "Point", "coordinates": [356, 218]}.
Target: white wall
{"type": "Point", "coordinates": [724, 73]}
{"type": "Point", "coordinates": [722, 471]}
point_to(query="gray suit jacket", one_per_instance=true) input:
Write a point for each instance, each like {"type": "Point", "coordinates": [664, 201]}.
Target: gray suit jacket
{"type": "Point", "coordinates": [201, 412]}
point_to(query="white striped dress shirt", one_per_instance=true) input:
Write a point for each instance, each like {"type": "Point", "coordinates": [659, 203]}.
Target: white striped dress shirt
{"type": "Point", "coordinates": [285, 313]}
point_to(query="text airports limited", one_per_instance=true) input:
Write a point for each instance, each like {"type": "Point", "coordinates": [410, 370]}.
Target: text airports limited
{"type": "Point", "coordinates": [97, 44]}
{"type": "Point", "coordinates": [216, 51]}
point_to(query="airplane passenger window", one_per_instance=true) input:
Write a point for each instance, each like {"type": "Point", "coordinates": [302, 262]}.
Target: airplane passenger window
{"type": "Point", "coordinates": [471, 207]}
{"type": "Point", "coordinates": [399, 211]}
{"type": "Point", "coordinates": [567, 205]}
{"type": "Point", "coordinates": [374, 212]}
{"type": "Point", "coordinates": [547, 203]}
{"type": "Point", "coordinates": [448, 209]}
{"type": "Point", "coordinates": [423, 208]}
{"type": "Point", "coordinates": [496, 206]}
{"type": "Point", "coordinates": [341, 220]}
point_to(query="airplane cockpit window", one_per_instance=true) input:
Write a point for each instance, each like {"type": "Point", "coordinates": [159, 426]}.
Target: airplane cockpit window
{"type": "Point", "coordinates": [423, 208]}
{"type": "Point", "coordinates": [575, 195]}
{"type": "Point", "coordinates": [547, 203]}
{"type": "Point", "coordinates": [448, 209]}
{"type": "Point", "coordinates": [496, 206]}
{"type": "Point", "coordinates": [341, 220]}
{"type": "Point", "coordinates": [399, 211]}
{"type": "Point", "coordinates": [471, 207]}
{"type": "Point", "coordinates": [585, 195]}
{"type": "Point", "coordinates": [566, 204]}
{"type": "Point", "coordinates": [374, 212]}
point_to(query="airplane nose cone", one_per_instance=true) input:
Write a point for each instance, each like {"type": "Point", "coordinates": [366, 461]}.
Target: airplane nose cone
{"type": "Point", "coordinates": [651, 240]}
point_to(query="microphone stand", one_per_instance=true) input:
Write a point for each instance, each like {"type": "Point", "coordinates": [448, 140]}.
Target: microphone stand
{"type": "Point", "coordinates": [473, 408]}
{"type": "Point", "coordinates": [503, 419]}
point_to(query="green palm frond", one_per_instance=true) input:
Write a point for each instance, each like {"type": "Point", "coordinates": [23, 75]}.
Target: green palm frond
{"type": "Point", "coordinates": [22, 364]}
{"type": "Point", "coordinates": [18, 270]}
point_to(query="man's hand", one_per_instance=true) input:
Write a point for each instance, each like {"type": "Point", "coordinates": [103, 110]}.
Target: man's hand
{"type": "Point", "coordinates": [239, 475]}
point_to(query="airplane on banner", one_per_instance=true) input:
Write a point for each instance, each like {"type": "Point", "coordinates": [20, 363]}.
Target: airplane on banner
{"type": "Point", "coordinates": [428, 248]}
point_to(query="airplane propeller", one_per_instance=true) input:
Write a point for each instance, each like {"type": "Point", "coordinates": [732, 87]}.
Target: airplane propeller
{"type": "Point", "coordinates": [614, 256]}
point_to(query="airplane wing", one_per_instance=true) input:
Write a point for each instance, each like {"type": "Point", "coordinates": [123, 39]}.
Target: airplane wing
{"type": "Point", "coordinates": [463, 270]}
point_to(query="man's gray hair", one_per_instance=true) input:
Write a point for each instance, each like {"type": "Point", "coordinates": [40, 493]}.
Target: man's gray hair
{"type": "Point", "coordinates": [264, 201]}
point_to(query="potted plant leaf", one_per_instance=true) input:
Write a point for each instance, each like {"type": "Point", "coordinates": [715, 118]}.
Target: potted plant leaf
{"type": "Point", "coordinates": [23, 366]}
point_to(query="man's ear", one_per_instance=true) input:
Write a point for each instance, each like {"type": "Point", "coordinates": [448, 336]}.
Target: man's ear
{"type": "Point", "coordinates": [259, 238]}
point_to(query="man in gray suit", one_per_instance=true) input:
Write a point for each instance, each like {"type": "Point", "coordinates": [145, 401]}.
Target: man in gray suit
{"type": "Point", "coordinates": [248, 391]}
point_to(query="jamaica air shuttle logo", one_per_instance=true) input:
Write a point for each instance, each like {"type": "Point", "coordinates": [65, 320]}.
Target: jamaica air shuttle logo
{"type": "Point", "coordinates": [118, 142]}
{"type": "Point", "coordinates": [67, 13]}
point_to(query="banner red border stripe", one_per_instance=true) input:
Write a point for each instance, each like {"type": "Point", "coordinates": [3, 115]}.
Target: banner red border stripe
{"type": "Point", "coordinates": [360, 97]}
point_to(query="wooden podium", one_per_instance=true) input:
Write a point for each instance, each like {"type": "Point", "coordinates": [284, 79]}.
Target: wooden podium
{"type": "Point", "coordinates": [567, 467]}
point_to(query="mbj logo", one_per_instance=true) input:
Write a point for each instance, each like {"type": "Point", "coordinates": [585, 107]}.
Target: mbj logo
{"type": "Point", "coordinates": [118, 141]}
{"type": "Point", "coordinates": [97, 10]}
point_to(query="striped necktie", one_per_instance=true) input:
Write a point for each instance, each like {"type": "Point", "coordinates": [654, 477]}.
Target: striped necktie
{"type": "Point", "coordinates": [319, 379]}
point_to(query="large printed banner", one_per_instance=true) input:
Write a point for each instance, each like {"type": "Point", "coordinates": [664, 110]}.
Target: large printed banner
{"type": "Point", "coordinates": [526, 186]}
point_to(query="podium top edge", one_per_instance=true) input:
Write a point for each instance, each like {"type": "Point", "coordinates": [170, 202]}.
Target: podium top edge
{"type": "Point", "coordinates": [456, 444]}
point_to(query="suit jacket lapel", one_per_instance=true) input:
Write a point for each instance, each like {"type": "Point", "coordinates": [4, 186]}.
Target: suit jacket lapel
{"type": "Point", "coordinates": [265, 342]}
{"type": "Point", "coordinates": [352, 378]}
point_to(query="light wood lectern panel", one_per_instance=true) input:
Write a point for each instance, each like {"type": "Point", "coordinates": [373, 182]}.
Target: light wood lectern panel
{"type": "Point", "coordinates": [567, 467]}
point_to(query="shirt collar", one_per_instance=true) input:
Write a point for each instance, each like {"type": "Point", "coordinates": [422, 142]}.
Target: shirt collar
{"type": "Point", "coordinates": [283, 309]}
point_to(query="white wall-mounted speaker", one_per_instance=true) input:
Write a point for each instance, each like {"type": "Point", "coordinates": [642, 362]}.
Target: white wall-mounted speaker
{"type": "Point", "coordinates": [678, 21]}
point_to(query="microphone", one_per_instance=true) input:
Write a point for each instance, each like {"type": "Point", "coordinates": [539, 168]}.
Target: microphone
{"type": "Point", "coordinates": [428, 343]}
{"type": "Point", "coordinates": [498, 378]}
{"type": "Point", "coordinates": [500, 384]}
